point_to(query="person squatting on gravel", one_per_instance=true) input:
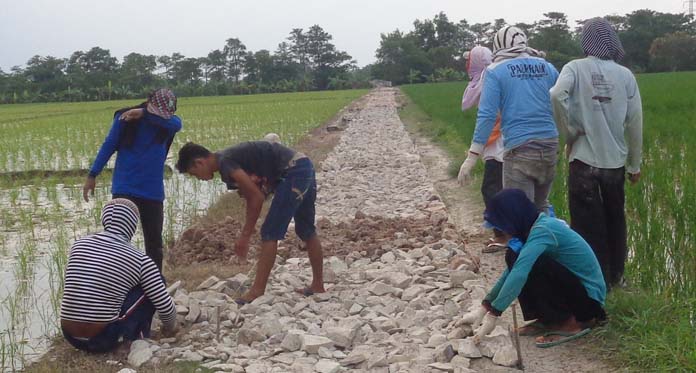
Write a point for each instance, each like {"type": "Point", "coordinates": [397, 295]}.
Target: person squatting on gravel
{"type": "Point", "coordinates": [256, 169]}
{"type": "Point", "coordinates": [553, 273]}
{"type": "Point", "coordinates": [111, 289]}
{"type": "Point", "coordinates": [597, 103]}
{"type": "Point", "coordinates": [516, 85]}
{"type": "Point", "coordinates": [141, 136]}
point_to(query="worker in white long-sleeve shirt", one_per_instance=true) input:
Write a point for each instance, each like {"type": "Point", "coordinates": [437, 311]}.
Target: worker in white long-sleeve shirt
{"type": "Point", "coordinates": [111, 289]}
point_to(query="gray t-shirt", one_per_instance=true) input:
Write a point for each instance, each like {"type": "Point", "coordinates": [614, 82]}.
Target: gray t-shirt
{"type": "Point", "coordinates": [261, 158]}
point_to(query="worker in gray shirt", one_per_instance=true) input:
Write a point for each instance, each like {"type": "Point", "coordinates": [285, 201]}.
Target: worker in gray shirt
{"type": "Point", "coordinates": [596, 103]}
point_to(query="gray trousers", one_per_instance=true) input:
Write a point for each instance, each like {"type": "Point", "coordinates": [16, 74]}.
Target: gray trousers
{"type": "Point", "coordinates": [531, 167]}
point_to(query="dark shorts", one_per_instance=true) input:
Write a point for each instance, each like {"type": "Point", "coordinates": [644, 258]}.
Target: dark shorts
{"type": "Point", "coordinates": [295, 198]}
{"type": "Point", "coordinates": [133, 323]}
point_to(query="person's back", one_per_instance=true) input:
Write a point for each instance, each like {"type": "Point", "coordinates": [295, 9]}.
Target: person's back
{"type": "Point", "coordinates": [603, 97]}
{"type": "Point", "coordinates": [519, 89]}
{"type": "Point", "coordinates": [261, 158]}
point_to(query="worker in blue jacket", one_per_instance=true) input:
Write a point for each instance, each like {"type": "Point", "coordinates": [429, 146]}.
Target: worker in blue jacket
{"type": "Point", "coordinates": [141, 137]}
{"type": "Point", "coordinates": [551, 270]}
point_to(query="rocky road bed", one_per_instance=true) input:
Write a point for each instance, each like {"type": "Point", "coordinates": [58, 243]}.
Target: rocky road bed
{"type": "Point", "coordinates": [397, 273]}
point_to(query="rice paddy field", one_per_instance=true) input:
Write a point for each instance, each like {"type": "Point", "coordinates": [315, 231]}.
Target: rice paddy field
{"type": "Point", "coordinates": [657, 315]}
{"type": "Point", "coordinates": [45, 150]}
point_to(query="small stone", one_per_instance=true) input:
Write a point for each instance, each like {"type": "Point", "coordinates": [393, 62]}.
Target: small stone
{"type": "Point", "coordinates": [412, 292]}
{"type": "Point", "coordinates": [505, 356]}
{"type": "Point", "coordinates": [355, 309]}
{"type": "Point", "coordinates": [181, 309]}
{"type": "Point", "coordinates": [468, 349]}
{"type": "Point", "coordinates": [460, 362]}
{"type": "Point", "coordinates": [325, 353]}
{"type": "Point", "coordinates": [388, 257]}
{"type": "Point", "coordinates": [312, 343]}
{"type": "Point", "coordinates": [436, 340]}
{"type": "Point", "coordinates": [173, 288]}
{"type": "Point", "coordinates": [127, 370]}
{"type": "Point", "coordinates": [212, 280]}
{"type": "Point", "coordinates": [380, 288]}
{"type": "Point", "coordinates": [400, 280]}
{"type": "Point", "coordinates": [292, 342]}
{"type": "Point", "coordinates": [327, 366]}
{"type": "Point", "coordinates": [353, 359]}
{"type": "Point", "coordinates": [444, 353]}
{"type": "Point", "coordinates": [377, 360]}
{"type": "Point", "coordinates": [445, 367]}
{"type": "Point", "coordinates": [194, 312]}
{"type": "Point", "coordinates": [341, 337]}
{"type": "Point", "coordinates": [248, 336]}
{"type": "Point", "coordinates": [140, 353]}
{"type": "Point", "coordinates": [228, 368]}
{"type": "Point", "coordinates": [192, 356]}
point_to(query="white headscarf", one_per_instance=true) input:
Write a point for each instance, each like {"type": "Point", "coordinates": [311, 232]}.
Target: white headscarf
{"type": "Point", "coordinates": [479, 59]}
{"type": "Point", "coordinates": [510, 42]}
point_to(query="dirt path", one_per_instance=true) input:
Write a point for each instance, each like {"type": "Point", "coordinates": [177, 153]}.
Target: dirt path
{"type": "Point", "coordinates": [465, 206]}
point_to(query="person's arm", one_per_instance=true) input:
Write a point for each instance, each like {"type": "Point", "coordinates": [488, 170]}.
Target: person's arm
{"type": "Point", "coordinates": [107, 149]}
{"type": "Point", "coordinates": [560, 97]}
{"type": "Point", "coordinates": [155, 290]}
{"type": "Point", "coordinates": [172, 124]}
{"type": "Point", "coordinates": [254, 202]}
{"type": "Point", "coordinates": [634, 130]}
{"type": "Point", "coordinates": [493, 293]}
{"type": "Point", "coordinates": [539, 242]}
{"type": "Point", "coordinates": [489, 106]}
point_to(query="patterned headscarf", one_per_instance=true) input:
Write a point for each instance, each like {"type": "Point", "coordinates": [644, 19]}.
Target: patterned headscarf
{"type": "Point", "coordinates": [599, 39]}
{"type": "Point", "coordinates": [510, 42]}
{"type": "Point", "coordinates": [162, 103]}
{"type": "Point", "coordinates": [479, 59]}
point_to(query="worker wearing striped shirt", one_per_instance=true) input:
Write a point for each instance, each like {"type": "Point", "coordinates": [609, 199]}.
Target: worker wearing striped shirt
{"type": "Point", "coordinates": [111, 289]}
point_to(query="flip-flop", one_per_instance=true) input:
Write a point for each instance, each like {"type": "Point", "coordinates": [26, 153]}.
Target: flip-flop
{"type": "Point", "coordinates": [568, 337]}
{"type": "Point", "coordinates": [307, 292]}
{"type": "Point", "coordinates": [493, 247]}
{"type": "Point", "coordinates": [535, 328]}
{"type": "Point", "coordinates": [241, 301]}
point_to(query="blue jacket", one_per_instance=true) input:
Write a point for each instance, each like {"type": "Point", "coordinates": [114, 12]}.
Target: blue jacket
{"type": "Point", "coordinates": [554, 238]}
{"type": "Point", "coordinates": [519, 89]}
{"type": "Point", "coordinates": [139, 170]}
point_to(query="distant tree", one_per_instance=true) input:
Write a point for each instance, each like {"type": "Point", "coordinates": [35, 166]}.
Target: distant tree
{"type": "Point", "coordinates": [217, 63]}
{"type": "Point", "coordinates": [234, 51]}
{"type": "Point", "coordinates": [138, 71]}
{"type": "Point", "coordinates": [673, 52]}
{"type": "Point", "coordinates": [552, 35]}
{"type": "Point", "coordinates": [47, 74]}
{"type": "Point", "coordinates": [397, 56]}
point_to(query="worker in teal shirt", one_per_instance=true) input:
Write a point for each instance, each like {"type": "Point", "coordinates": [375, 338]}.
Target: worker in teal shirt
{"type": "Point", "coordinates": [550, 269]}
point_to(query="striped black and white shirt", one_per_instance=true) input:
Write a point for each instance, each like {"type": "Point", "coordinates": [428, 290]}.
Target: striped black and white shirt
{"type": "Point", "coordinates": [103, 268]}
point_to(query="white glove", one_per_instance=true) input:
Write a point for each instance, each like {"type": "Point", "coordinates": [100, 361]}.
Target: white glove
{"type": "Point", "coordinates": [464, 176]}
{"type": "Point", "coordinates": [473, 317]}
{"type": "Point", "coordinates": [488, 325]}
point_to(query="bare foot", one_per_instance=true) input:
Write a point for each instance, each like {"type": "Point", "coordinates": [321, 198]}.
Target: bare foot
{"type": "Point", "coordinates": [311, 290]}
{"type": "Point", "coordinates": [249, 296]}
{"type": "Point", "coordinates": [571, 326]}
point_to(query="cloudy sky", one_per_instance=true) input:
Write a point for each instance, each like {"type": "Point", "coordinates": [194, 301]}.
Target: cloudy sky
{"type": "Point", "coordinates": [195, 27]}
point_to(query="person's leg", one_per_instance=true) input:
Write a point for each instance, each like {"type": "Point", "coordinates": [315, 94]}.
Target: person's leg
{"type": "Point", "coordinates": [151, 221]}
{"type": "Point", "coordinates": [264, 266]}
{"type": "Point", "coordinates": [540, 299]}
{"type": "Point", "coordinates": [516, 172]}
{"type": "Point", "coordinates": [612, 184]}
{"type": "Point", "coordinates": [135, 318]}
{"type": "Point", "coordinates": [492, 180]}
{"type": "Point", "coordinates": [544, 175]}
{"type": "Point", "coordinates": [587, 211]}
{"type": "Point", "coordinates": [306, 230]}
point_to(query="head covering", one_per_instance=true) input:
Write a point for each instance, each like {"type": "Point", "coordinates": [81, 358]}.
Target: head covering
{"type": "Point", "coordinates": [479, 59]}
{"type": "Point", "coordinates": [510, 42]}
{"type": "Point", "coordinates": [162, 103]}
{"type": "Point", "coordinates": [599, 39]}
{"type": "Point", "coordinates": [120, 216]}
{"type": "Point", "coordinates": [511, 212]}
{"type": "Point", "coordinates": [273, 138]}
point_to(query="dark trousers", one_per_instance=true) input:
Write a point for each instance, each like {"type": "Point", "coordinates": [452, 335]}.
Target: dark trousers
{"type": "Point", "coordinates": [596, 202]}
{"type": "Point", "coordinates": [552, 294]}
{"type": "Point", "coordinates": [492, 180]}
{"type": "Point", "coordinates": [152, 220]}
{"type": "Point", "coordinates": [134, 322]}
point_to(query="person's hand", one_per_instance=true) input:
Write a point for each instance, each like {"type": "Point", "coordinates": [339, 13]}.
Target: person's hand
{"type": "Point", "coordinates": [169, 332]}
{"type": "Point", "coordinates": [88, 188]}
{"type": "Point", "coordinates": [132, 115]}
{"type": "Point", "coordinates": [634, 178]}
{"type": "Point", "coordinates": [473, 317]}
{"type": "Point", "coordinates": [464, 176]}
{"type": "Point", "coordinates": [489, 321]}
{"type": "Point", "coordinates": [241, 246]}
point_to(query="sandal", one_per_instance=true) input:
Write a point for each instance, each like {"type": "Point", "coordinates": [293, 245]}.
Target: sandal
{"type": "Point", "coordinates": [493, 247]}
{"type": "Point", "coordinates": [307, 292]}
{"type": "Point", "coordinates": [532, 329]}
{"type": "Point", "coordinates": [567, 337]}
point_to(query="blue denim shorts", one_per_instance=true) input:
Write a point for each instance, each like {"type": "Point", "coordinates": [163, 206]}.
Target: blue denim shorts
{"type": "Point", "coordinates": [294, 198]}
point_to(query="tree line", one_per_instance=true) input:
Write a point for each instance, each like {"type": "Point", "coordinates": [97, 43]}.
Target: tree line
{"type": "Point", "coordinates": [434, 49]}
{"type": "Point", "coordinates": [306, 60]}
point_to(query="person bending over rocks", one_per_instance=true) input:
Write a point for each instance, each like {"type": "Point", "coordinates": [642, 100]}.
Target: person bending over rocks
{"type": "Point", "coordinates": [256, 169]}
{"type": "Point", "coordinates": [111, 289]}
{"type": "Point", "coordinates": [553, 273]}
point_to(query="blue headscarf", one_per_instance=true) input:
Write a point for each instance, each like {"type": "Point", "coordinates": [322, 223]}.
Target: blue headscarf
{"type": "Point", "coordinates": [512, 212]}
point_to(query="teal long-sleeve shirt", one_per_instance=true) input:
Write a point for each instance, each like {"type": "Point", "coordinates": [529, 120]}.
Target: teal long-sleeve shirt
{"type": "Point", "coordinates": [554, 238]}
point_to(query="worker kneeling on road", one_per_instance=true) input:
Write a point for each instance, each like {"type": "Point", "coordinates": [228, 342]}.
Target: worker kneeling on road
{"type": "Point", "coordinates": [257, 169]}
{"type": "Point", "coordinates": [550, 269]}
{"type": "Point", "coordinates": [111, 289]}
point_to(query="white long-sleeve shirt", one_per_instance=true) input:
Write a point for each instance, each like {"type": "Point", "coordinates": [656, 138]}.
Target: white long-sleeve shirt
{"type": "Point", "coordinates": [597, 104]}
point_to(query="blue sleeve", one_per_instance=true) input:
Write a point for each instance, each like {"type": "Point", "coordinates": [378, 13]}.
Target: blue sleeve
{"type": "Point", "coordinates": [537, 244]}
{"type": "Point", "coordinates": [107, 149]}
{"type": "Point", "coordinates": [554, 74]}
{"type": "Point", "coordinates": [172, 124]}
{"type": "Point", "coordinates": [489, 105]}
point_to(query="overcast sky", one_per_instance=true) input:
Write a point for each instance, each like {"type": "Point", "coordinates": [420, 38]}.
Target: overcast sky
{"type": "Point", "coordinates": [195, 27]}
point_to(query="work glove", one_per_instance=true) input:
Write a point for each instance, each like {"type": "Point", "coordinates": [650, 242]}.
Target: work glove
{"type": "Point", "coordinates": [464, 176]}
{"type": "Point", "coordinates": [472, 317]}
{"type": "Point", "coordinates": [489, 321]}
